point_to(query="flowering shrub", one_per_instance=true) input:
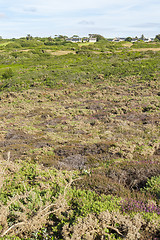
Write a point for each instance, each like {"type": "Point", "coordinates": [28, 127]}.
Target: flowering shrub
{"type": "Point", "coordinates": [144, 161]}
{"type": "Point", "coordinates": [132, 205]}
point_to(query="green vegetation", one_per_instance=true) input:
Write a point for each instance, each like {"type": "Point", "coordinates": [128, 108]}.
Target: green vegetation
{"type": "Point", "coordinates": [158, 37]}
{"type": "Point", "coordinates": [153, 186]}
{"type": "Point", "coordinates": [39, 66]}
{"type": "Point", "coordinates": [79, 139]}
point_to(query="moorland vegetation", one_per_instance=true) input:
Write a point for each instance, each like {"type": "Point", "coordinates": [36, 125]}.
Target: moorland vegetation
{"type": "Point", "coordinates": [79, 140]}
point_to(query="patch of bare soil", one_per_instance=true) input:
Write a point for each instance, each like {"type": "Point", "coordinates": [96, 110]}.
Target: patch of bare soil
{"type": "Point", "coordinates": [146, 49]}
{"type": "Point", "coordinates": [25, 50]}
{"type": "Point", "coordinates": [128, 44]}
{"type": "Point", "coordinates": [59, 53]}
{"type": "Point", "coordinates": [17, 142]}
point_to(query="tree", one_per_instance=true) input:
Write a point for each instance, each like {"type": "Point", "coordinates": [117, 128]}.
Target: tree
{"type": "Point", "coordinates": [75, 36]}
{"type": "Point", "coordinates": [142, 37]}
{"type": "Point", "coordinates": [29, 37]}
{"type": "Point", "coordinates": [50, 39]}
{"type": "Point", "coordinates": [97, 36]}
{"type": "Point", "coordinates": [157, 37]}
{"type": "Point", "coordinates": [62, 37]}
{"type": "Point", "coordinates": [128, 39]}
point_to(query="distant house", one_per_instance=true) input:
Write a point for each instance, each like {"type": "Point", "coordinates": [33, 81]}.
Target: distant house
{"type": "Point", "coordinates": [118, 39]}
{"type": "Point", "coordinates": [92, 39]}
{"type": "Point", "coordinates": [74, 39]}
{"type": "Point", "coordinates": [69, 39]}
{"type": "Point", "coordinates": [110, 39]}
{"type": "Point", "coordinates": [85, 39]}
{"type": "Point", "coordinates": [134, 40]}
{"type": "Point", "coordinates": [122, 39]}
{"type": "Point", "coordinates": [148, 40]}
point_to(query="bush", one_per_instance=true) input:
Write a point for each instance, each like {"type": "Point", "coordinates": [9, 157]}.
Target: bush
{"type": "Point", "coordinates": [13, 45]}
{"type": "Point", "coordinates": [133, 174]}
{"type": "Point", "coordinates": [132, 205]}
{"type": "Point", "coordinates": [153, 186]}
{"type": "Point", "coordinates": [8, 73]}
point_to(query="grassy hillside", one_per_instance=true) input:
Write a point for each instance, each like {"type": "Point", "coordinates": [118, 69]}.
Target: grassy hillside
{"type": "Point", "coordinates": [79, 140]}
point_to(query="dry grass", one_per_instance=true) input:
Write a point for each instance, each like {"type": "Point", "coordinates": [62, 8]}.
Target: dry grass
{"type": "Point", "coordinates": [93, 227]}
{"type": "Point", "coordinates": [60, 53]}
{"type": "Point", "coordinates": [128, 44]}
{"type": "Point", "coordinates": [55, 121]}
{"type": "Point", "coordinates": [146, 49]}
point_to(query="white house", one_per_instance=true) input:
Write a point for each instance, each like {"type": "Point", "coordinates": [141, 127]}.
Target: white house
{"type": "Point", "coordinates": [85, 39]}
{"type": "Point", "coordinates": [110, 39]}
{"type": "Point", "coordinates": [93, 40]}
{"type": "Point", "coordinates": [74, 39]}
{"type": "Point", "coordinates": [118, 39]}
{"type": "Point", "coordinates": [147, 40]}
{"type": "Point", "coordinates": [134, 40]}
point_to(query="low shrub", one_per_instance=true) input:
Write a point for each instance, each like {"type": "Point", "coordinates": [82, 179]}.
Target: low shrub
{"type": "Point", "coordinates": [153, 186]}
{"type": "Point", "coordinates": [133, 174]}
{"type": "Point", "coordinates": [131, 205]}
{"type": "Point", "coordinates": [8, 73]}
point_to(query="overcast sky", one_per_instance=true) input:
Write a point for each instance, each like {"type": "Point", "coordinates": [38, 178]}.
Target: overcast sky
{"type": "Point", "coordinates": [110, 18]}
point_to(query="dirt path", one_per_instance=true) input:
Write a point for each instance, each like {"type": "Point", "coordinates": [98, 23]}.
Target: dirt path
{"type": "Point", "coordinates": [146, 49]}
{"type": "Point", "coordinates": [52, 52]}
{"type": "Point", "coordinates": [128, 44]}
{"type": "Point", "coordinates": [59, 53]}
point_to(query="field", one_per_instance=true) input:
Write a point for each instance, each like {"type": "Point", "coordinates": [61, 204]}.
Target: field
{"type": "Point", "coordinates": [79, 140]}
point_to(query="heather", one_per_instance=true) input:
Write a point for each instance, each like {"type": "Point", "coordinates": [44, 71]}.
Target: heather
{"type": "Point", "coordinates": [130, 205]}
{"type": "Point", "coordinates": [79, 140]}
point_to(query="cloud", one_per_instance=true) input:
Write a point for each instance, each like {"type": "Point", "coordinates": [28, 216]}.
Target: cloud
{"type": "Point", "coordinates": [147, 25]}
{"type": "Point", "coordinates": [84, 22]}
{"type": "Point", "coordinates": [53, 7]}
{"type": "Point", "coordinates": [109, 18]}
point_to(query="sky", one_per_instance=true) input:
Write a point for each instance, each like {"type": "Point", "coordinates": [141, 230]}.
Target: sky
{"type": "Point", "coordinates": [110, 18]}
